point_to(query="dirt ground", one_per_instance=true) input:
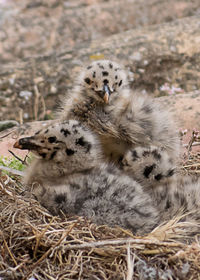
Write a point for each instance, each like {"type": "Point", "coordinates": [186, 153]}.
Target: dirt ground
{"type": "Point", "coordinates": [37, 29]}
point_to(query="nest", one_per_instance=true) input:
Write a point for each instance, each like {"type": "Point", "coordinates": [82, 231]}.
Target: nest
{"type": "Point", "coordinates": [191, 164]}
{"type": "Point", "coordinates": [36, 245]}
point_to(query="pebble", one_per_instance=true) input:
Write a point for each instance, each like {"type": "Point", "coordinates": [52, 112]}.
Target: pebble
{"type": "Point", "coordinates": [26, 94]}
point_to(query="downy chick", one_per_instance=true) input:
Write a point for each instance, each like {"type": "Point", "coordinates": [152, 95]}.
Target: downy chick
{"type": "Point", "coordinates": [122, 118]}
{"type": "Point", "coordinates": [69, 175]}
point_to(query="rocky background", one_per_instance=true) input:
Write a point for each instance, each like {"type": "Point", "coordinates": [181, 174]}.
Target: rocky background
{"type": "Point", "coordinates": [44, 44]}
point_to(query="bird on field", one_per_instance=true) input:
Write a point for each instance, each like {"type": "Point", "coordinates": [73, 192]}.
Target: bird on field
{"type": "Point", "coordinates": [70, 175]}
{"type": "Point", "coordinates": [122, 119]}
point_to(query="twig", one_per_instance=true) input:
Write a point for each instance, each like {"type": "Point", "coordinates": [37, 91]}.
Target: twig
{"type": "Point", "coordinates": [123, 241]}
{"type": "Point", "coordinates": [193, 144]}
{"type": "Point", "coordinates": [44, 256]}
{"type": "Point", "coordinates": [156, 251]}
{"type": "Point", "coordinates": [192, 165]}
{"type": "Point", "coordinates": [39, 237]}
{"type": "Point", "coordinates": [130, 264]}
{"type": "Point", "coordinates": [43, 107]}
{"type": "Point", "coordinates": [36, 103]}
{"type": "Point", "coordinates": [194, 137]}
{"type": "Point", "coordinates": [21, 116]}
{"type": "Point", "coordinates": [10, 253]}
{"type": "Point", "coordinates": [23, 161]}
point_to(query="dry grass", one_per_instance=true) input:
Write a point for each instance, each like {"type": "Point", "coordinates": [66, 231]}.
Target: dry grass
{"type": "Point", "coordinates": [191, 164]}
{"type": "Point", "coordinates": [36, 244]}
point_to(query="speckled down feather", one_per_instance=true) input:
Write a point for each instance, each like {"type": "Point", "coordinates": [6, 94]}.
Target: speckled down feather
{"type": "Point", "coordinates": [123, 119]}
{"type": "Point", "coordinates": [70, 175]}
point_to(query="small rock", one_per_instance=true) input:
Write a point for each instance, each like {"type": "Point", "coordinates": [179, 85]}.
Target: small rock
{"type": "Point", "coordinates": [136, 56]}
{"type": "Point", "coordinates": [185, 269]}
{"type": "Point", "coordinates": [26, 115]}
{"type": "Point", "coordinates": [38, 80]}
{"type": "Point", "coordinates": [145, 271]}
{"type": "Point", "coordinates": [11, 81]}
{"type": "Point", "coordinates": [53, 89]}
{"type": "Point", "coordinates": [26, 94]}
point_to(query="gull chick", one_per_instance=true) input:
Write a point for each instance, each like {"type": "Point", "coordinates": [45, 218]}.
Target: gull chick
{"type": "Point", "coordinates": [122, 119]}
{"type": "Point", "coordinates": [69, 175]}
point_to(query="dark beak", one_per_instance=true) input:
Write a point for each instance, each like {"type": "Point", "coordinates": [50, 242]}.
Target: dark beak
{"type": "Point", "coordinates": [106, 91]}
{"type": "Point", "coordinates": [26, 143]}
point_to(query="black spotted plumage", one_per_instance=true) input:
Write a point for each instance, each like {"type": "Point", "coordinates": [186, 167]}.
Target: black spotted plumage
{"type": "Point", "coordinates": [81, 141]}
{"type": "Point", "coordinates": [69, 152]}
{"type": "Point", "coordinates": [120, 83]}
{"type": "Point", "coordinates": [148, 170]}
{"type": "Point", "coordinates": [158, 177]}
{"type": "Point", "coordinates": [79, 183]}
{"type": "Point", "coordinates": [87, 80]}
{"type": "Point", "coordinates": [60, 198]}
{"type": "Point", "coordinates": [65, 132]}
{"type": "Point", "coordinates": [53, 154]}
{"type": "Point", "coordinates": [105, 73]}
{"type": "Point", "coordinates": [105, 81]}
{"type": "Point", "coordinates": [52, 139]}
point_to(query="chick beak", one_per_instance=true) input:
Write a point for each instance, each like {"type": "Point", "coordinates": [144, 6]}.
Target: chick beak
{"type": "Point", "coordinates": [26, 143]}
{"type": "Point", "coordinates": [106, 96]}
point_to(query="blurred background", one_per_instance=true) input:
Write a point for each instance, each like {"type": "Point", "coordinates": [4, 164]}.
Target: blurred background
{"type": "Point", "coordinates": [43, 44]}
{"type": "Point", "coordinates": [32, 28]}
